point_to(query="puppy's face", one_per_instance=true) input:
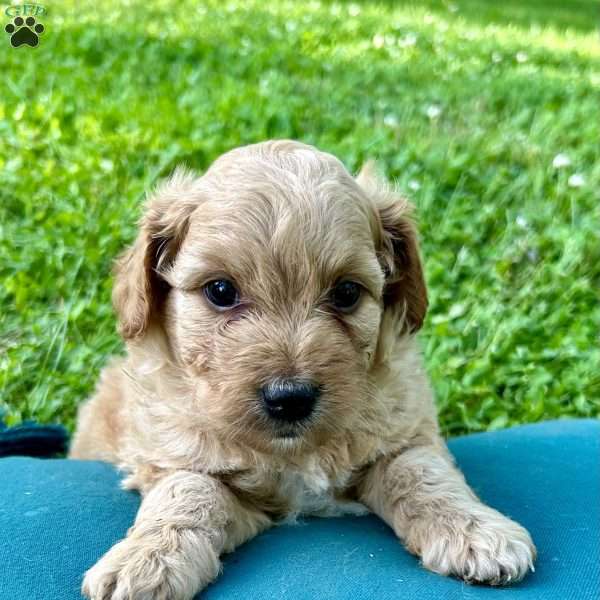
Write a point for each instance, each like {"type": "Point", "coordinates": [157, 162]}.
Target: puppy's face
{"type": "Point", "coordinates": [270, 276]}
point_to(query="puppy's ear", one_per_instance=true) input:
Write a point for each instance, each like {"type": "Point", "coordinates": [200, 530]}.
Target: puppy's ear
{"type": "Point", "coordinates": [405, 290]}
{"type": "Point", "coordinates": [139, 288]}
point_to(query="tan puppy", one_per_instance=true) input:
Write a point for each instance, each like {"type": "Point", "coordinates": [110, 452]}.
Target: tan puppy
{"type": "Point", "coordinates": [269, 309]}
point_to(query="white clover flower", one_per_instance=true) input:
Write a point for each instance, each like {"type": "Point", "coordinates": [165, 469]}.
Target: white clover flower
{"type": "Point", "coordinates": [433, 111]}
{"type": "Point", "coordinates": [414, 185]}
{"type": "Point", "coordinates": [521, 57]}
{"type": "Point", "coordinates": [576, 180]}
{"type": "Point", "coordinates": [390, 120]}
{"type": "Point", "coordinates": [410, 39]}
{"type": "Point", "coordinates": [561, 160]}
{"type": "Point", "coordinates": [522, 222]}
{"type": "Point", "coordinates": [106, 165]}
{"type": "Point", "coordinates": [378, 40]}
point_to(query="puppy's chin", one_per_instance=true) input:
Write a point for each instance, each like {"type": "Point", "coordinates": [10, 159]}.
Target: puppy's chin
{"type": "Point", "coordinates": [287, 443]}
{"type": "Point", "coordinates": [289, 437]}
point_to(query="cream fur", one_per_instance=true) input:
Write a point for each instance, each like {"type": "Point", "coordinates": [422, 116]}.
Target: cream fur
{"type": "Point", "coordinates": [180, 415]}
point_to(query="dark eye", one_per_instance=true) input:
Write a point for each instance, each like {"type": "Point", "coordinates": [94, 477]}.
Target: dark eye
{"type": "Point", "coordinates": [221, 293]}
{"type": "Point", "coordinates": [345, 295]}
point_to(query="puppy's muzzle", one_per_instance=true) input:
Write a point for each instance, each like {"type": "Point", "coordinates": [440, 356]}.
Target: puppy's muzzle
{"type": "Point", "coordinates": [289, 400]}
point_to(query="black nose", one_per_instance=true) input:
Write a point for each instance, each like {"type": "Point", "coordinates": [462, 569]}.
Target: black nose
{"type": "Point", "coordinates": [289, 400]}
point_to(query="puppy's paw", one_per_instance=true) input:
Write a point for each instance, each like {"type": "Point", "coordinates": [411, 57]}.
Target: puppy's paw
{"type": "Point", "coordinates": [138, 570]}
{"type": "Point", "coordinates": [486, 548]}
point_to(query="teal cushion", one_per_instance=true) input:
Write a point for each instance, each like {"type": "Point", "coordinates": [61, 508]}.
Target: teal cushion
{"type": "Point", "coordinates": [58, 517]}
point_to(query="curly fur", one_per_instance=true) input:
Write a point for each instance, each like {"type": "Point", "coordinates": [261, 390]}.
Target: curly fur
{"type": "Point", "coordinates": [180, 413]}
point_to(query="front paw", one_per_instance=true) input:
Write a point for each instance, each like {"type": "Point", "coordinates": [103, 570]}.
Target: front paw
{"type": "Point", "coordinates": [136, 569]}
{"type": "Point", "coordinates": [486, 547]}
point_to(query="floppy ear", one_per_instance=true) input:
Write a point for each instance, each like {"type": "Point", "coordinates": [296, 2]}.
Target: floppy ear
{"type": "Point", "coordinates": [139, 287]}
{"type": "Point", "coordinates": [405, 290]}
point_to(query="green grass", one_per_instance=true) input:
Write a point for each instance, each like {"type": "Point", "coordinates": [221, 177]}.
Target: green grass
{"type": "Point", "coordinates": [465, 103]}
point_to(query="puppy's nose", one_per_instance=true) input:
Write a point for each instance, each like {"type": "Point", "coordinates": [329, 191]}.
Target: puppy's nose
{"type": "Point", "coordinates": [289, 400]}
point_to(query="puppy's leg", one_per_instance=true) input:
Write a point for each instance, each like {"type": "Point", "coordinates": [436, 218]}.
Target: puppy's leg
{"type": "Point", "coordinates": [99, 420]}
{"type": "Point", "coordinates": [184, 523]}
{"type": "Point", "coordinates": [426, 500]}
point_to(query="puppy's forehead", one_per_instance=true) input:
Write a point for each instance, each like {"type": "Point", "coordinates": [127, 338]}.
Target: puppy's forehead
{"type": "Point", "coordinates": [286, 155]}
{"type": "Point", "coordinates": [275, 182]}
{"type": "Point", "coordinates": [286, 208]}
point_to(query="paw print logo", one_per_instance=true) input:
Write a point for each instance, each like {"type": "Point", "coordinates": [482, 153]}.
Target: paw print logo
{"type": "Point", "coordinates": [24, 31]}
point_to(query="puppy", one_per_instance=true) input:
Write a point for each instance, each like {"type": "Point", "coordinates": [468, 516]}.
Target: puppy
{"type": "Point", "coordinates": [269, 309]}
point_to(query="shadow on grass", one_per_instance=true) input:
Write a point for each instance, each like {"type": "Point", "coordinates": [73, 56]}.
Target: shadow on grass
{"type": "Point", "coordinates": [581, 15]}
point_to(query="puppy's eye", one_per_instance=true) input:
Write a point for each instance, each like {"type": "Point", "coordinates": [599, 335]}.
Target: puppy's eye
{"type": "Point", "coordinates": [345, 295]}
{"type": "Point", "coordinates": [221, 293]}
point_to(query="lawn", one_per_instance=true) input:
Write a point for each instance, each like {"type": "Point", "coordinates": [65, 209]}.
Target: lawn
{"type": "Point", "coordinates": [486, 114]}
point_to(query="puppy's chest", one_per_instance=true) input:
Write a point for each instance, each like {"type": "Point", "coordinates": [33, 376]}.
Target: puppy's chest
{"type": "Point", "coordinates": [313, 492]}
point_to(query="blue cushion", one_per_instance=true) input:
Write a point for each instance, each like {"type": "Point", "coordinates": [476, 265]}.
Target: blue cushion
{"type": "Point", "coordinates": [58, 517]}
